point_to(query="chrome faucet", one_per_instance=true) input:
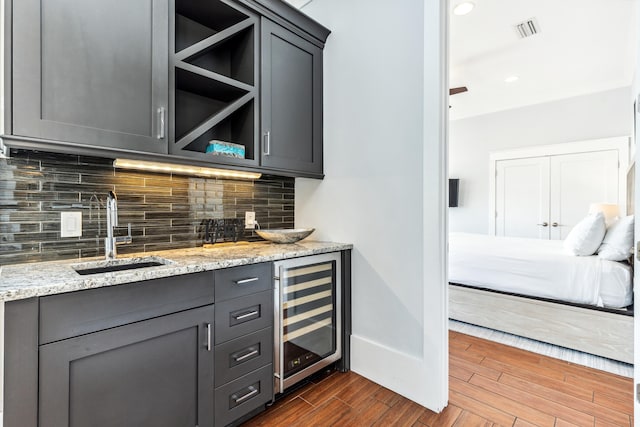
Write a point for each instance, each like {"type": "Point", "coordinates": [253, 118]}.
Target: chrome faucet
{"type": "Point", "coordinates": [111, 242]}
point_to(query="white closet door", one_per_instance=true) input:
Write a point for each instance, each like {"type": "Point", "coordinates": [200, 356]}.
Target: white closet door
{"type": "Point", "coordinates": [577, 180]}
{"type": "Point", "coordinates": [522, 198]}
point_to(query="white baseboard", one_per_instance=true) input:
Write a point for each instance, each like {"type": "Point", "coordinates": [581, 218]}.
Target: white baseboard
{"type": "Point", "coordinates": [402, 373]}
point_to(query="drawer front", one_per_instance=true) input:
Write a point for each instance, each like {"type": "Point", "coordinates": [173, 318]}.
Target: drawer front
{"type": "Point", "coordinates": [240, 356]}
{"type": "Point", "coordinates": [77, 313]}
{"type": "Point", "coordinates": [243, 395]}
{"type": "Point", "coordinates": [242, 316]}
{"type": "Point", "coordinates": [244, 280]}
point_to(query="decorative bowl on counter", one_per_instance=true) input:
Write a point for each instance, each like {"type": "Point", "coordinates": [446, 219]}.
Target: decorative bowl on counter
{"type": "Point", "coordinates": [285, 235]}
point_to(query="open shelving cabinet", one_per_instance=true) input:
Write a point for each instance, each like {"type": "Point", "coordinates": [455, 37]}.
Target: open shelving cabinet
{"type": "Point", "coordinates": [214, 73]}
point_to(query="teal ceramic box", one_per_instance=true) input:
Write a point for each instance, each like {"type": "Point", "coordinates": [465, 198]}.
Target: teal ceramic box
{"type": "Point", "coordinates": [223, 148]}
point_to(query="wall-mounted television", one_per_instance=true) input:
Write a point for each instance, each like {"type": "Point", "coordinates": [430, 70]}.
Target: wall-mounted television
{"type": "Point", "coordinates": [453, 192]}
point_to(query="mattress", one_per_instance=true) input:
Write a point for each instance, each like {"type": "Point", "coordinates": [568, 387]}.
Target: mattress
{"type": "Point", "coordinates": [538, 268]}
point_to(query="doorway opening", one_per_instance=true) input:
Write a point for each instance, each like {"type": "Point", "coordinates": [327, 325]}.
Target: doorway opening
{"type": "Point", "coordinates": [532, 85]}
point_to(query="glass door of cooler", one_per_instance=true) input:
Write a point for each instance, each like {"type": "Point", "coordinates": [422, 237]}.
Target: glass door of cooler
{"type": "Point", "coordinates": [307, 316]}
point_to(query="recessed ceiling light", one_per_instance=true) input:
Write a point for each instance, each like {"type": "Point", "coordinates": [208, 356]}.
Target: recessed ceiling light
{"type": "Point", "coordinates": [511, 79]}
{"type": "Point", "coordinates": [463, 8]}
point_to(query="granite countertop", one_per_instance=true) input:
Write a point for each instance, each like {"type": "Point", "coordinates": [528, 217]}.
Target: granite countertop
{"type": "Point", "coordinates": [21, 281]}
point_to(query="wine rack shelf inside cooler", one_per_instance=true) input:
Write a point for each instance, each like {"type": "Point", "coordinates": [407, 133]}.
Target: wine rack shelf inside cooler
{"type": "Point", "coordinates": [309, 315]}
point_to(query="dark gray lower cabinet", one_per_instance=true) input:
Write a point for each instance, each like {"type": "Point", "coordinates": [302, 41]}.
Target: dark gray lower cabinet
{"type": "Point", "coordinates": [241, 396]}
{"type": "Point", "coordinates": [244, 315]}
{"type": "Point", "coordinates": [157, 372]}
{"type": "Point", "coordinates": [240, 356]}
{"type": "Point", "coordinates": [243, 341]}
{"type": "Point", "coordinates": [156, 353]}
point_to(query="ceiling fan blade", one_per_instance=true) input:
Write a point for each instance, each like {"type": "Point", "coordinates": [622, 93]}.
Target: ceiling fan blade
{"type": "Point", "coordinates": [455, 90]}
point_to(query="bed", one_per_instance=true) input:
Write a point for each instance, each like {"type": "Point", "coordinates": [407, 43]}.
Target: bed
{"type": "Point", "coordinates": [532, 288]}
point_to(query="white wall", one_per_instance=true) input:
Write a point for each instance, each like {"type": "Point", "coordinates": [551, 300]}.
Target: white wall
{"type": "Point", "coordinates": [384, 123]}
{"type": "Point", "coordinates": [1, 131]}
{"type": "Point", "coordinates": [593, 116]}
{"type": "Point", "coordinates": [635, 96]}
{"type": "Point", "coordinates": [2, 29]}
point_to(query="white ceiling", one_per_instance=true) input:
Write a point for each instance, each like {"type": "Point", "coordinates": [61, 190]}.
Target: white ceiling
{"type": "Point", "coordinates": [584, 46]}
{"type": "Point", "coordinates": [298, 3]}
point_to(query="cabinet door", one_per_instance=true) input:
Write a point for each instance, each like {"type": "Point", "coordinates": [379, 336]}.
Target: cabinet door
{"type": "Point", "coordinates": [157, 373]}
{"type": "Point", "coordinates": [291, 105]}
{"type": "Point", "coordinates": [91, 72]}
{"type": "Point", "coordinates": [522, 198]}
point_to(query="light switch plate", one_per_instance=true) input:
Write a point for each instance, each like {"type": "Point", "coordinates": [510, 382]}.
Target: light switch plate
{"type": "Point", "coordinates": [249, 220]}
{"type": "Point", "coordinates": [70, 224]}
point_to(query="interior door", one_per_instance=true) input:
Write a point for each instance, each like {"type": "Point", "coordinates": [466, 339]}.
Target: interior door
{"type": "Point", "coordinates": [522, 198]}
{"type": "Point", "coordinates": [577, 180]}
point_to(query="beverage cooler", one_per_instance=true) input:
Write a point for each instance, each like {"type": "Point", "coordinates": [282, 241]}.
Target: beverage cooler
{"type": "Point", "coordinates": [307, 324]}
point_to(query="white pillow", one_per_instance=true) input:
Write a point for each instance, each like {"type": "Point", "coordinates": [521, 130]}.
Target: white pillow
{"type": "Point", "coordinates": [586, 236]}
{"type": "Point", "coordinates": [618, 241]}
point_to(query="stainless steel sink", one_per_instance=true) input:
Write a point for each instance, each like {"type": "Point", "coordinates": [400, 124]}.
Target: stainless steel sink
{"type": "Point", "coordinates": [98, 267]}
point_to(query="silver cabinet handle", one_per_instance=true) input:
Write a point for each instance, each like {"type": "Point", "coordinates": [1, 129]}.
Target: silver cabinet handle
{"type": "Point", "coordinates": [555, 224]}
{"type": "Point", "coordinates": [208, 336]}
{"type": "Point", "coordinates": [245, 281]}
{"type": "Point", "coordinates": [161, 124]}
{"type": "Point", "coordinates": [544, 224]}
{"type": "Point", "coordinates": [253, 391]}
{"type": "Point", "coordinates": [278, 350]}
{"type": "Point", "coordinates": [245, 356]}
{"type": "Point", "coordinates": [249, 314]}
{"type": "Point", "coordinates": [266, 149]}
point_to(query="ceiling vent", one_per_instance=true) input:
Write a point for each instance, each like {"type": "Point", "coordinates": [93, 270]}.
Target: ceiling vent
{"type": "Point", "coordinates": [528, 28]}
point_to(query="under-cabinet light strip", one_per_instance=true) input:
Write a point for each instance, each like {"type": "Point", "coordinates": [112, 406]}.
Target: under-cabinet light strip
{"type": "Point", "coordinates": [183, 169]}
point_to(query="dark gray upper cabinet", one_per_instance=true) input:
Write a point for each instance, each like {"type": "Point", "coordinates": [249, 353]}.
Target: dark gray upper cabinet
{"type": "Point", "coordinates": [214, 83]}
{"type": "Point", "coordinates": [233, 73]}
{"type": "Point", "coordinates": [162, 79]}
{"type": "Point", "coordinates": [91, 72]}
{"type": "Point", "coordinates": [291, 103]}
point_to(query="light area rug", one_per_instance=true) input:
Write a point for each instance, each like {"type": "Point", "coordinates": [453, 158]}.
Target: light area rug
{"type": "Point", "coordinates": [573, 356]}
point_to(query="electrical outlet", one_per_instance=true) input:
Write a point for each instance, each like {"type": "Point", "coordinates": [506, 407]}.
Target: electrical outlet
{"type": "Point", "coordinates": [249, 220]}
{"type": "Point", "coordinates": [70, 224]}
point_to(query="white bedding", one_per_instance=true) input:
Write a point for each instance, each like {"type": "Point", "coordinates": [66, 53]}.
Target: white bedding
{"type": "Point", "coordinates": [538, 268]}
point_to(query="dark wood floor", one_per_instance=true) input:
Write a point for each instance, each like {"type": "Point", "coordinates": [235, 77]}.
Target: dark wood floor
{"type": "Point", "coordinates": [490, 384]}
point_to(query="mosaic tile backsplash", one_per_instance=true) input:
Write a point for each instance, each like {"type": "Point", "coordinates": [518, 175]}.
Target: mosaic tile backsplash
{"type": "Point", "coordinates": [166, 211]}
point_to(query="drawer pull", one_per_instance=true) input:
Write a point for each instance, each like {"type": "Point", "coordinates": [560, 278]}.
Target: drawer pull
{"type": "Point", "coordinates": [249, 314]}
{"type": "Point", "coordinates": [208, 336]}
{"type": "Point", "coordinates": [253, 391]}
{"type": "Point", "coordinates": [245, 281]}
{"type": "Point", "coordinates": [245, 356]}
